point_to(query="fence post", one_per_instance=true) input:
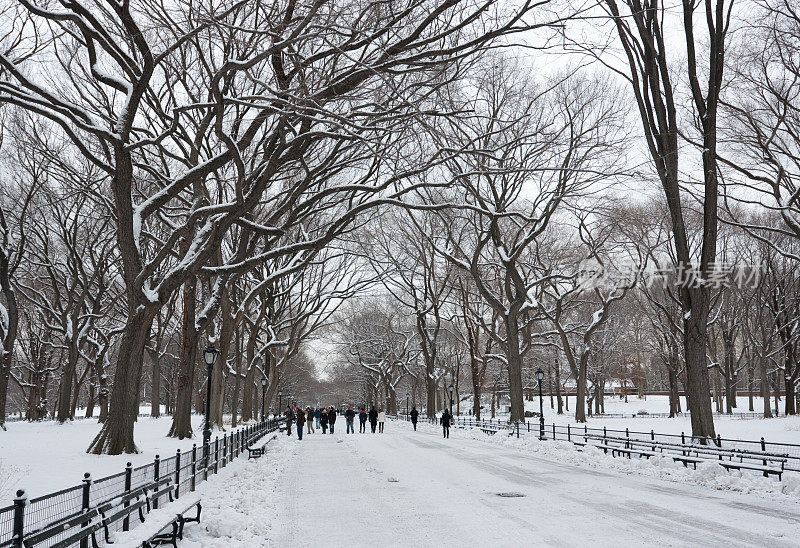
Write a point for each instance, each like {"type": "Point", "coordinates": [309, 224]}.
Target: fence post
{"type": "Point", "coordinates": [156, 474]}
{"type": "Point", "coordinates": [177, 473]}
{"type": "Point", "coordinates": [206, 457]}
{"type": "Point", "coordinates": [569, 434]}
{"type": "Point", "coordinates": [224, 450]}
{"type": "Point", "coordinates": [126, 522]}
{"type": "Point", "coordinates": [764, 448]}
{"type": "Point", "coordinates": [517, 429]}
{"type": "Point", "coordinates": [87, 482]}
{"type": "Point", "coordinates": [627, 438]}
{"type": "Point", "coordinates": [652, 435]}
{"type": "Point", "coordinates": [216, 454]}
{"type": "Point", "coordinates": [19, 518]}
{"type": "Point", "coordinates": [554, 431]}
{"type": "Point", "coordinates": [194, 465]}
{"type": "Point", "coordinates": [719, 440]}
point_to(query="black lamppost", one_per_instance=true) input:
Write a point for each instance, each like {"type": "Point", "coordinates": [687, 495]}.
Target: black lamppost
{"type": "Point", "coordinates": [263, 393]}
{"type": "Point", "coordinates": [407, 396]}
{"type": "Point", "coordinates": [540, 378]}
{"type": "Point", "coordinates": [280, 401]}
{"type": "Point", "coordinates": [451, 398]}
{"type": "Point", "coordinates": [210, 356]}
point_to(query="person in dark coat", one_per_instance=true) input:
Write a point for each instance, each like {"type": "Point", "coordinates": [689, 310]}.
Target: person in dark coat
{"type": "Point", "coordinates": [300, 419]}
{"type": "Point", "coordinates": [446, 418]}
{"type": "Point", "coordinates": [350, 416]}
{"type": "Point", "coordinates": [289, 420]}
{"type": "Point", "coordinates": [317, 415]}
{"type": "Point", "coordinates": [414, 417]}
{"type": "Point", "coordinates": [323, 420]}
{"type": "Point", "coordinates": [362, 418]}
{"type": "Point", "coordinates": [310, 420]}
{"type": "Point", "coordinates": [373, 418]}
{"type": "Point", "coordinates": [331, 418]}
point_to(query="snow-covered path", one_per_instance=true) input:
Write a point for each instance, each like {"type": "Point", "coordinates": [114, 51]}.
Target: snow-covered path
{"type": "Point", "coordinates": [406, 488]}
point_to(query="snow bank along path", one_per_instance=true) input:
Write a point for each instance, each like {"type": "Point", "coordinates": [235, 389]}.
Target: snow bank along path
{"type": "Point", "coordinates": [406, 488]}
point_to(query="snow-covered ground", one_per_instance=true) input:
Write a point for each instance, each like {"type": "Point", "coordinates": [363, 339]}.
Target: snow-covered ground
{"type": "Point", "coordinates": [406, 488]}
{"type": "Point", "coordinates": [46, 456]}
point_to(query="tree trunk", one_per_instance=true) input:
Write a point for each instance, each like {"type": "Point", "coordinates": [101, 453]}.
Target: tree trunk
{"type": "Point", "coordinates": [65, 384]}
{"type": "Point", "coordinates": [184, 389]}
{"type": "Point", "coordinates": [90, 401]}
{"type": "Point", "coordinates": [789, 397]}
{"type": "Point", "coordinates": [674, 393]}
{"type": "Point", "coordinates": [762, 366]}
{"type": "Point", "coordinates": [221, 367]}
{"type": "Point", "coordinates": [237, 381]}
{"type": "Point", "coordinates": [116, 435]}
{"type": "Point", "coordinates": [557, 369]}
{"type": "Point", "coordinates": [155, 384]}
{"type": "Point", "coordinates": [514, 368]}
{"type": "Point", "coordinates": [697, 385]}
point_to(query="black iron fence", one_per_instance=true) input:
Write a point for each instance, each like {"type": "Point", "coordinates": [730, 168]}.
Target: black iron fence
{"type": "Point", "coordinates": [573, 432]}
{"type": "Point", "coordinates": [186, 469]}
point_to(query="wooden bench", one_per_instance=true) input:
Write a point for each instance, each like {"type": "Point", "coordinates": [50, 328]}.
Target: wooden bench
{"type": "Point", "coordinates": [254, 452]}
{"type": "Point", "coordinates": [728, 458]}
{"type": "Point", "coordinates": [171, 528]}
{"type": "Point", "coordinates": [630, 451]}
{"type": "Point", "coordinates": [87, 524]}
{"type": "Point", "coordinates": [687, 460]}
{"type": "Point", "coordinates": [765, 469]}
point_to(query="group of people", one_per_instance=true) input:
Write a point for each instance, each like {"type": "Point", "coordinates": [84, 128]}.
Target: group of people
{"type": "Point", "coordinates": [326, 419]}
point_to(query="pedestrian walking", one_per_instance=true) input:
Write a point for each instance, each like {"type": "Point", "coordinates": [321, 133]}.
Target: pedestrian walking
{"type": "Point", "coordinates": [349, 416]}
{"type": "Point", "coordinates": [446, 418]}
{"type": "Point", "coordinates": [323, 420]}
{"type": "Point", "coordinates": [373, 418]}
{"type": "Point", "coordinates": [309, 422]}
{"type": "Point", "coordinates": [300, 419]}
{"type": "Point", "coordinates": [414, 417]}
{"type": "Point", "coordinates": [381, 420]}
{"type": "Point", "coordinates": [331, 418]}
{"type": "Point", "coordinates": [362, 419]}
{"type": "Point", "coordinates": [317, 415]}
{"type": "Point", "coordinates": [289, 420]}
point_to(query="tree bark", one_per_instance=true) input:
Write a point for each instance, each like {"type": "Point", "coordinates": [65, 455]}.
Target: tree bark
{"type": "Point", "coordinates": [514, 368]}
{"type": "Point", "coordinates": [116, 435]}
{"type": "Point", "coordinates": [65, 384]}
{"type": "Point", "coordinates": [184, 389]}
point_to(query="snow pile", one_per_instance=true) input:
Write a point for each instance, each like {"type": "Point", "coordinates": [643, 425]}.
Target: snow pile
{"type": "Point", "coordinates": [232, 499]}
{"type": "Point", "coordinates": [663, 467]}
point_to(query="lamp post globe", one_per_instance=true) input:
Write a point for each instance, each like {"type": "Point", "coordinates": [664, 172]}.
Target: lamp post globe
{"type": "Point", "coordinates": [540, 378]}
{"type": "Point", "coordinates": [280, 401]}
